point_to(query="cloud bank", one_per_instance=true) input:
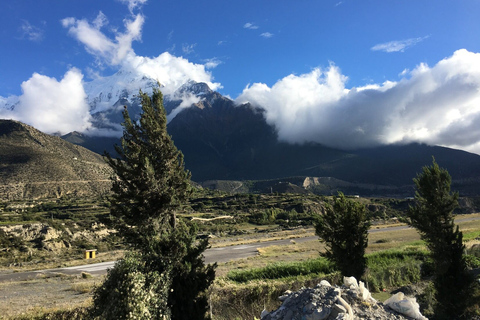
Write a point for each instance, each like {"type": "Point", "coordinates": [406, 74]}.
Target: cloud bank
{"type": "Point", "coordinates": [435, 105]}
{"type": "Point", "coordinates": [52, 106]}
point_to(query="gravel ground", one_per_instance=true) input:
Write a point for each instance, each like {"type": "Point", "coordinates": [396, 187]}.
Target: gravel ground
{"type": "Point", "coordinates": [45, 294]}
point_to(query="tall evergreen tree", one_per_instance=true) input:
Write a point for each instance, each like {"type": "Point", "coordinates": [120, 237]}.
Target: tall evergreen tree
{"type": "Point", "coordinates": [149, 186]}
{"type": "Point", "coordinates": [344, 230]}
{"type": "Point", "coordinates": [151, 182]}
{"type": "Point", "coordinates": [433, 217]}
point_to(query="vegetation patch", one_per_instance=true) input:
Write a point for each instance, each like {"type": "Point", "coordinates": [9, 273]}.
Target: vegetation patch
{"type": "Point", "coordinates": [283, 270]}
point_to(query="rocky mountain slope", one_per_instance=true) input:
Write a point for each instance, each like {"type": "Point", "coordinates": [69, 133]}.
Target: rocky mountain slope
{"type": "Point", "coordinates": [36, 165]}
{"type": "Point", "coordinates": [224, 141]}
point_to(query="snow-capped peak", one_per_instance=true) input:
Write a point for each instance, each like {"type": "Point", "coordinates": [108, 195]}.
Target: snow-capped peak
{"type": "Point", "coordinates": [104, 92]}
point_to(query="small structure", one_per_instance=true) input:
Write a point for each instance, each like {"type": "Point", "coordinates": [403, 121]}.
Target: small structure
{"type": "Point", "coordinates": [90, 254]}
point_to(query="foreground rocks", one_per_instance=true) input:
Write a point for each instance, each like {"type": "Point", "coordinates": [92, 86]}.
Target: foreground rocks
{"type": "Point", "coordinates": [326, 302]}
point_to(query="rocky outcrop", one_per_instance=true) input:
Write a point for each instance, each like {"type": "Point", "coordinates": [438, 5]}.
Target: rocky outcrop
{"type": "Point", "coordinates": [326, 302]}
{"type": "Point", "coordinates": [44, 237]}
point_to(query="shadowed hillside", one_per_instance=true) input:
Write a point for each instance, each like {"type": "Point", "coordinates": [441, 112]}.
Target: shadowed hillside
{"type": "Point", "coordinates": [36, 165]}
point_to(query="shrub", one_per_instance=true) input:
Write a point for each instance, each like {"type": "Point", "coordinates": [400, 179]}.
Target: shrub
{"type": "Point", "coordinates": [132, 291]}
{"type": "Point", "coordinates": [344, 229]}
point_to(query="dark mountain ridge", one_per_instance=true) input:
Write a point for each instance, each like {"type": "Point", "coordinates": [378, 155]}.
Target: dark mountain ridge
{"type": "Point", "coordinates": [222, 141]}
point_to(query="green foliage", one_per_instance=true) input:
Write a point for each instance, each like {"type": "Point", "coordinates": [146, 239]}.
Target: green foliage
{"type": "Point", "coordinates": [8, 241]}
{"type": "Point", "coordinates": [150, 185]}
{"type": "Point", "coordinates": [151, 182]}
{"type": "Point", "coordinates": [344, 229]}
{"type": "Point", "coordinates": [132, 290]}
{"type": "Point", "coordinates": [386, 269]}
{"type": "Point", "coordinates": [178, 253]}
{"type": "Point", "coordinates": [283, 270]}
{"type": "Point", "coordinates": [282, 217]}
{"type": "Point", "coordinates": [394, 268]}
{"type": "Point", "coordinates": [433, 217]}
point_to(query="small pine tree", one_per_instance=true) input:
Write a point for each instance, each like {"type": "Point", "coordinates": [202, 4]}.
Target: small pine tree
{"type": "Point", "coordinates": [344, 229]}
{"type": "Point", "coordinates": [433, 217]}
{"type": "Point", "coordinates": [149, 186]}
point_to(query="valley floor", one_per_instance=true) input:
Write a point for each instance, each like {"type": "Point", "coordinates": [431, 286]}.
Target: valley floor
{"type": "Point", "coordinates": [60, 291]}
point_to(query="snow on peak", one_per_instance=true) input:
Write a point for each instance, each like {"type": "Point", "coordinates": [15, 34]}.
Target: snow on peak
{"type": "Point", "coordinates": [104, 92]}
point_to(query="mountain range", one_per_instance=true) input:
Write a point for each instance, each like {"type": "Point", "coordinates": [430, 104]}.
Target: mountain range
{"type": "Point", "coordinates": [225, 141]}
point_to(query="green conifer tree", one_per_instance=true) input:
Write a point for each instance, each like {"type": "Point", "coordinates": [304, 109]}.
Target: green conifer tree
{"type": "Point", "coordinates": [151, 182]}
{"type": "Point", "coordinates": [344, 230]}
{"type": "Point", "coordinates": [433, 217]}
{"type": "Point", "coordinates": [149, 186]}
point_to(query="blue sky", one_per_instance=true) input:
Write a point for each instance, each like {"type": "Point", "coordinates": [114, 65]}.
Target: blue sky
{"type": "Point", "coordinates": [376, 47]}
{"type": "Point", "coordinates": [304, 34]}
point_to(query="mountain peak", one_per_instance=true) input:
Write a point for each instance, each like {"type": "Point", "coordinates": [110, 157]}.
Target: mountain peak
{"type": "Point", "coordinates": [197, 88]}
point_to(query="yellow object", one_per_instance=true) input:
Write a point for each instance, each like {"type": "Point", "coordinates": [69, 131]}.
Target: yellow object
{"type": "Point", "coordinates": [90, 254]}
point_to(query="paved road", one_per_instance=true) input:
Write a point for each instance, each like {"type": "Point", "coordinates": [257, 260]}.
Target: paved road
{"type": "Point", "coordinates": [212, 255]}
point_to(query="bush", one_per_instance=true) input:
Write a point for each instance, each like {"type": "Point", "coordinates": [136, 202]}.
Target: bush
{"type": "Point", "coordinates": [344, 230]}
{"type": "Point", "coordinates": [131, 291]}
{"type": "Point", "coordinates": [394, 268]}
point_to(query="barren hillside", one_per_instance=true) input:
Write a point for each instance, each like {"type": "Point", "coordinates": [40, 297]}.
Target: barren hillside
{"type": "Point", "coordinates": [36, 165]}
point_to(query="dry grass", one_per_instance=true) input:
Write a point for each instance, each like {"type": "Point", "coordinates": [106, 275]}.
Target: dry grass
{"type": "Point", "coordinates": [83, 287]}
{"type": "Point", "coordinates": [45, 295]}
{"type": "Point", "coordinates": [262, 237]}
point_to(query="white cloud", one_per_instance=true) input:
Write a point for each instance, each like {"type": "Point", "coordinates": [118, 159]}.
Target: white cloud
{"type": "Point", "coordinates": [212, 63]}
{"type": "Point", "coordinates": [31, 32]}
{"type": "Point", "coordinates": [100, 21]}
{"type": "Point", "coordinates": [435, 105]}
{"type": "Point", "coordinates": [398, 45]}
{"type": "Point", "coordinates": [250, 25]}
{"type": "Point", "coordinates": [187, 102]}
{"type": "Point", "coordinates": [132, 4]}
{"type": "Point", "coordinates": [52, 106]}
{"type": "Point", "coordinates": [188, 48]}
{"type": "Point", "coordinates": [98, 44]}
{"type": "Point", "coordinates": [404, 72]}
{"type": "Point", "coordinates": [266, 35]}
{"type": "Point", "coordinates": [172, 72]}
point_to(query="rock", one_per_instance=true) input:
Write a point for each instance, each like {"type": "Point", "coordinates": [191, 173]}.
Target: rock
{"type": "Point", "coordinates": [326, 302]}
